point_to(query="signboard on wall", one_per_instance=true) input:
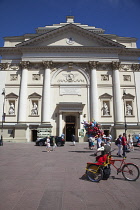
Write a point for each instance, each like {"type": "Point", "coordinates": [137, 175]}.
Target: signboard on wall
{"type": "Point", "coordinates": [80, 132]}
{"type": "Point", "coordinates": [43, 132]}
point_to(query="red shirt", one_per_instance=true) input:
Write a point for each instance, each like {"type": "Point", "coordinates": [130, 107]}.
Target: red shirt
{"type": "Point", "coordinates": [124, 141]}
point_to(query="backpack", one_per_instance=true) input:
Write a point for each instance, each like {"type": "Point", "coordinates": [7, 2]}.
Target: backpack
{"type": "Point", "coordinates": [117, 141]}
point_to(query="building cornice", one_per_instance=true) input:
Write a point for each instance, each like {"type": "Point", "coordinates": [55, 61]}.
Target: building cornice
{"type": "Point", "coordinates": [86, 49]}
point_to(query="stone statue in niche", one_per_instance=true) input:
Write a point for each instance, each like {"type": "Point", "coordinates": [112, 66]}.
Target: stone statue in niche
{"type": "Point", "coordinates": [11, 109]}
{"type": "Point", "coordinates": [34, 110]}
{"type": "Point", "coordinates": [105, 109]}
{"type": "Point", "coordinates": [128, 109]}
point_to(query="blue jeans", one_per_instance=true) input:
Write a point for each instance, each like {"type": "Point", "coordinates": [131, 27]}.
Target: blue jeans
{"type": "Point", "coordinates": [124, 150]}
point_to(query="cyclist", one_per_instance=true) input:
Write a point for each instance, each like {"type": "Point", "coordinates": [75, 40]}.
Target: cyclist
{"type": "Point", "coordinates": [104, 149]}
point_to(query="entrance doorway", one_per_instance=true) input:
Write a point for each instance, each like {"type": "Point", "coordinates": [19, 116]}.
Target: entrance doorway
{"type": "Point", "coordinates": [70, 127]}
{"type": "Point", "coordinates": [34, 135]}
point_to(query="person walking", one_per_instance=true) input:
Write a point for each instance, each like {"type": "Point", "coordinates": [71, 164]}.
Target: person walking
{"type": "Point", "coordinates": [52, 142]}
{"type": "Point", "coordinates": [48, 146]}
{"type": "Point", "coordinates": [130, 143]}
{"type": "Point", "coordinates": [124, 144]}
{"type": "Point", "coordinates": [99, 140]}
{"type": "Point", "coordinates": [119, 145]}
{"type": "Point", "coordinates": [73, 139]}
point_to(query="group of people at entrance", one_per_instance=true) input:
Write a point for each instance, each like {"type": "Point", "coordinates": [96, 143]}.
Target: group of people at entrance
{"type": "Point", "coordinates": [124, 144]}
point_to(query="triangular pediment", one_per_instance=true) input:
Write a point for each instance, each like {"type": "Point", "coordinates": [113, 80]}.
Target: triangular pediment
{"type": "Point", "coordinates": [129, 96]}
{"type": "Point", "coordinates": [11, 95]}
{"type": "Point", "coordinates": [34, 95]}
{"type": "Point", "coordinates": [106, 96]}
{"type": "Point", "coordinates": [69, 35]}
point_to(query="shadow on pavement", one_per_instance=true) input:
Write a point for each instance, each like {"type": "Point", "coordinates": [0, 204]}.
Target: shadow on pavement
{"type": "Point", "coordinates": [82, 151]}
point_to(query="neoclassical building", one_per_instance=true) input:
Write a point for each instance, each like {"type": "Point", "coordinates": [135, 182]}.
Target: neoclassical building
{"type": "Point", "coordinates": [63, 74]}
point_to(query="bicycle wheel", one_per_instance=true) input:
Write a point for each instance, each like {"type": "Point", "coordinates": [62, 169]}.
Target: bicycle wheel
{"type": "Point", "coordinates": [94, 173]}
{"type": "Point", "coordinates": [130, 172]}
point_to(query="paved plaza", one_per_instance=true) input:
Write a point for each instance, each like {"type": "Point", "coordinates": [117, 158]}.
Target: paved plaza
{"type": "Point", "coordinates": [33, 179]}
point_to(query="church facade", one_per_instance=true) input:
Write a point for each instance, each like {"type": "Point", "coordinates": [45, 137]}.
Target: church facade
{"type": "Point", "coordinates": [65, 74]}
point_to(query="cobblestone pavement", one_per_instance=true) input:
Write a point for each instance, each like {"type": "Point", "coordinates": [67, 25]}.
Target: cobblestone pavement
{"type": "Point", "coordinates": [33, 179]}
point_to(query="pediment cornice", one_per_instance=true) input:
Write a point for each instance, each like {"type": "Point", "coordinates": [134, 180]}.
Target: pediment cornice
{"type": "Point", "coordinates": [11, 95]}
{"type": "Point", "coordinates": [73, 28]}
{"type": "Point", "coordinates": [105, 96]}
{"type": "Point", "coordinates": [34, 95]}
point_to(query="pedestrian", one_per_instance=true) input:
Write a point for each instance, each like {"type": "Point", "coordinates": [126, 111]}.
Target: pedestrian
{"type": "Point", "coordinates": [48, 146]}
{"type": "Point", "coordinates": [138, 142]}
{"type": "Point", "coordinates": [119, 145]}
{"type": "Point", "coordinates": [104, 138]}
{"type": "Point", "coordinates": [73, 139]}
{"type": "Point", "coordinates": [99, 140]}
{"type": "Point", "coordinates": [91, 142]}
{"type": "Point", "coordinates": [124, 144]}
{"type": "Point", "coordinates": [53, 143]}
{"type": "Point", "coordinates": [130, 143]}
{"type": "Point", "coordinates": [108, 142]}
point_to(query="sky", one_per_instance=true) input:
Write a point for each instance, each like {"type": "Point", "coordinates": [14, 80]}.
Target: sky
{"type": "Point", "coordinates": [120, 17]}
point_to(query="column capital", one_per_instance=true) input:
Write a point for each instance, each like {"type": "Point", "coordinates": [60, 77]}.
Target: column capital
{"type": "Point", "coordinates": [47, 64]}
{"type": "Point", "coordinates": [115, 65]}
{"type": "Point", "coordinates": [3, 66]}
{"type": "Point", "coordinates": [25, 64]}
{"type": "Point", "coordinates": [136, 67]}
{"type": "Point", "coordinates": [93, 64]}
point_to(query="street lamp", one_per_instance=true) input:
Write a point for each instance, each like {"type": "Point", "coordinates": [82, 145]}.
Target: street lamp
{"type": "Point", "coordinates": [125, 124]}
{"type": "Point", "coordinates": [3, 118]}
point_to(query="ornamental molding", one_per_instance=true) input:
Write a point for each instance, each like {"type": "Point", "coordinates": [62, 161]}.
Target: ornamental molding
{"type": "Point", "coordinates": [93, 64]}
{"type": "Point", "coordinates": [13, 77]}
{"type": "Point", "coordinates": [14, 67]}
{"type": "Point", "coordinates": [70, 78]}
{"type": "Point", "coordinates": [47, 64]}
{"type": "Point", "coordinates": [3, 66]}
{"type": "Point", "coordinates": [136, 67]}
{"type": "Point", "coordinates": [115, 65]}
{"type": "Point", "coordinates": [127, 78]}
{"type": "Point", "coordinates": [125, 67]}
{"type": "Point", "coordinates": [25, 64]}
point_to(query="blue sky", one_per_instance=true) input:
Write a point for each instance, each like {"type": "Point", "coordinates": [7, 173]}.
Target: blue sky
{"type": "Point", "coordinates": [121, 17]}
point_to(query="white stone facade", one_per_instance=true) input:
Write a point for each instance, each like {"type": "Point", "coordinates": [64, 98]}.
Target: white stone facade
{"type": "Point", "coordinates": [64, 74]}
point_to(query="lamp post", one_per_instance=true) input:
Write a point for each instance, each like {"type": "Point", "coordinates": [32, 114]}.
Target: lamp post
{"type": "Point", "coordinates": [3, 118]}
{"type": "Point", "coordinates": [125, 124]}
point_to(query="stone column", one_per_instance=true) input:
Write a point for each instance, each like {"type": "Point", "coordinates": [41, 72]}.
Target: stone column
{"type": "Point", "coordinates": [46, 93]}
{"type": "Point", "coordinates": [118, 117]}
{"type": "Point", "coordinates": [60, 123]}
{"type": "Point", "coordinates": [23, 92]}
{"type": "Point", "coordinates": [93, 91]}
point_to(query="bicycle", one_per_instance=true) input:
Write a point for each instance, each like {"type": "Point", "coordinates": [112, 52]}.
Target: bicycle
{"type": "Point", "coordinates": [96, 171]}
